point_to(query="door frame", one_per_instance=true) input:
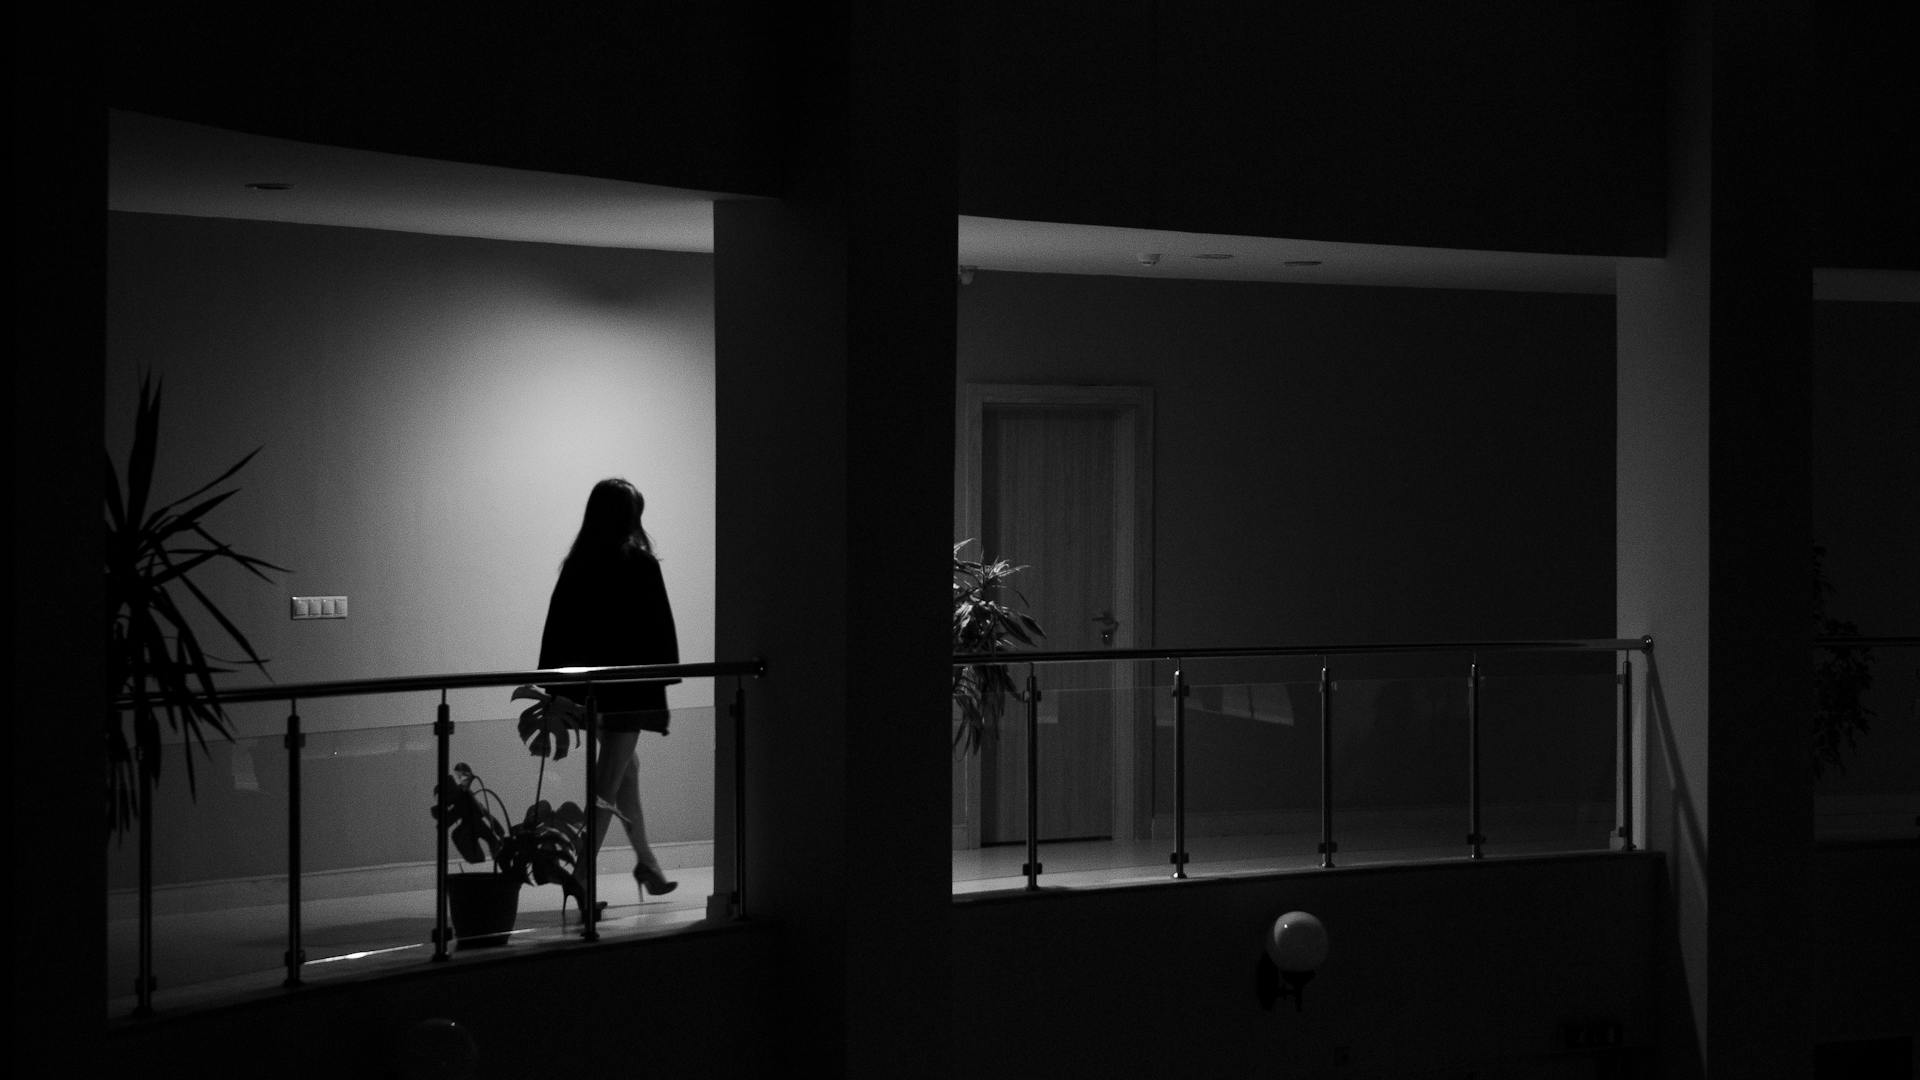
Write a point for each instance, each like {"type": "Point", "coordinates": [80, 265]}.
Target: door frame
{"type": "Point", "coordinates": [1133, 741]}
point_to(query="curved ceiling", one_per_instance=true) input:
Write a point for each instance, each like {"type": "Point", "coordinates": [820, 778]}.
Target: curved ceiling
{"type": "Point", "coordinates": [164, 166]}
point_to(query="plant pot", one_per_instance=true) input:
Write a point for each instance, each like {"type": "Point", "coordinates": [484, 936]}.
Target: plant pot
{"type": "Point", "coordinates": [483, 908]}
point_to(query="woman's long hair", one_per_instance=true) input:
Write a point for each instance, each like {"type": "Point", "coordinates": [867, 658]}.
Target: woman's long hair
{"type": "Point", "coordinates": [611, 526]}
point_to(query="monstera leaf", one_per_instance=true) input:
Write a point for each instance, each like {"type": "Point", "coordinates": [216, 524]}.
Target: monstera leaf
{"type": "Point", "coordinates": [544, 848]}
{"type": "Point", "coordinates": [550, 724]}
{"type": "Point", "coordinates": [473, 831]}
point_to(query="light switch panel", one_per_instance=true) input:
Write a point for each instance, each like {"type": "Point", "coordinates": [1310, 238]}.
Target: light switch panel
{"type": "Point", "coordinates": [319, 607]}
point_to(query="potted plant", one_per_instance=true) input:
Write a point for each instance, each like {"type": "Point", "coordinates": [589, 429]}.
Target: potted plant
{"type": "Point", "coordinates": [155, 657]}
{"type": "Point", "coordinates": [984, 623]}
{"type": "Point", "coordinates": [1842, 675]}
{"type": "Point", "coordinates": [543, 849]}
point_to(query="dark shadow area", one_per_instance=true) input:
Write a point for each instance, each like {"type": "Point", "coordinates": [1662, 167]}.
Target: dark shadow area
{"type": "Point", "coordinates": [1865, 1059]}
{"type": "Point", "coordinates": [1685, 823]}
{"type": "Point", "coordinates": [1684, 843]}
{"type": "Point", "coordinates": [1678, 1029]}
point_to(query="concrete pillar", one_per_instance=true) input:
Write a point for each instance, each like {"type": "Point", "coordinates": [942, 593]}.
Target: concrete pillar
{"type": "Point", "coordinates": [834, 332]}
{"type": "Point", "coordinates": [1713, 536]}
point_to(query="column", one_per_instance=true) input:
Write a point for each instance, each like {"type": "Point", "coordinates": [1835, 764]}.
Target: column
{"type": "Point", "coordinates": [1713, 535]}
{"type": "Point", "coordinates": [835, 315]}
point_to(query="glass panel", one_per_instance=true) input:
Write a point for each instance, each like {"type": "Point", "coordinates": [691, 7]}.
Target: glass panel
{"type": "Point", "coordinates": [219, 867]}
{"type": "Point", "coordinates": [1093, 721]}
{"type": "Point", "coordinates": [1253, 765]}
{"type": "Point", "coordinates": [1399, 767]}
{"type": "Point", "coordinates": [1548, 761]}
{"type": "Point", "coordinates": [368, 840]}
{"type": "Point", "coordinates": [1252, 773]}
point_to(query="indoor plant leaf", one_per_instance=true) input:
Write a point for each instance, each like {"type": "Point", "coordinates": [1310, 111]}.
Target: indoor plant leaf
{"type": "Point", "coordinates": [156, 658]}
{"type": "Point", "coordinates": [983, 624]}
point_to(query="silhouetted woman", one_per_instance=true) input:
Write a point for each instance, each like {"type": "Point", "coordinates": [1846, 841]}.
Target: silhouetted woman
{"type": "Point", "coordinates": [610, 608]}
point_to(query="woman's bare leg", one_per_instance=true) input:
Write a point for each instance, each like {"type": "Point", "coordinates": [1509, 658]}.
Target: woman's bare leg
{"type": "Point", "coordinates": [628, 801]}
{"type": "Point", "coordinates": [615, 770]}
{"type": "Point", "coordinates": [619, 783]}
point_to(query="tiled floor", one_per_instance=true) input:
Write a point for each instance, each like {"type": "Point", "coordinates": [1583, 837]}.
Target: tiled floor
{"type": "Point", "coordinates": [230, 946]}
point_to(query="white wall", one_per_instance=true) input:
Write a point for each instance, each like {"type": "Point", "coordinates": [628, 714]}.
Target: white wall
{"type": "Point", "coordinates": [1661, 524]}
{"type": "Point", "coordinates": [432, 413]}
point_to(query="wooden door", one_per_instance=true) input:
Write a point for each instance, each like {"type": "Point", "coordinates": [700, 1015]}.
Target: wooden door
{"type": "Point", "coordinates": [1059, 489]}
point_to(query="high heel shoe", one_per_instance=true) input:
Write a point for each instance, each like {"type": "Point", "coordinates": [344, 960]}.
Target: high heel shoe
{"type": "Point", "coordinates": [575, 891]}
{"type": "Point", "coordinates": [653, 882]}
{"type": "Point", "coordinates": [599, 911]}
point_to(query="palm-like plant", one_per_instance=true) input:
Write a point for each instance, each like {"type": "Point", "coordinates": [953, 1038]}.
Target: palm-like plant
{"type": "Point", "coordinates": [982, 623]}
{"type": "Point", "coordinates": [155, 656]}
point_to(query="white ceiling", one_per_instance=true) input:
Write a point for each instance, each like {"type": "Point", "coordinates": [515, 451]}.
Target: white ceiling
{"type": "Point", "coordinates": [1044, 248]}
{"type": "Point", "coordinates": [158, 166]}
{"type": "Point", "coordinates": [163, 166]}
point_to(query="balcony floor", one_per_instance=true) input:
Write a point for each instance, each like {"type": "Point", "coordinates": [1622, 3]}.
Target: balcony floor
{"type": "Point", "coordinates": [224, 943]}
{"type": "Point", "coordinates": [1107, 863]}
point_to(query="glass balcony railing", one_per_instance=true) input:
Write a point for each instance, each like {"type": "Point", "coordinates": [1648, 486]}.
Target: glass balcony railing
{"type": "Point", "coordinates": [306, 847]}
{"type": "Point", "coordinates": [1145, 764]}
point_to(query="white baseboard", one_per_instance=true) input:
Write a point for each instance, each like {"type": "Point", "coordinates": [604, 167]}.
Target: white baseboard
{"type": "Point", "coordinates": [1516, 822]}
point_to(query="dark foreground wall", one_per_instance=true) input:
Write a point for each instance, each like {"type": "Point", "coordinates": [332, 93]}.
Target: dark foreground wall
{"type": "Point", "coordinates": [1865, 948]}
{"type": "Point", "coordinates": [1429, 967]}
{"type": "Point", "coordinates": [691, 1005]}
{"type": "Point", "coordinates": [1432, 970]}
{"type": "Point", "coordinates": [1443, 970]}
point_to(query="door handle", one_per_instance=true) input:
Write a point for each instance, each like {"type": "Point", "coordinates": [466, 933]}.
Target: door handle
{"type": "Point", "coordinates": [1108, 624]}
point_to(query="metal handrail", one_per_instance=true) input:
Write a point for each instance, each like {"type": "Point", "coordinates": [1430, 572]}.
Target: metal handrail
{"type": "Point", "coordinates": [1475, 839]}
{"type": "Point", "coordinates": [401, 684]}
{"type": "Point", "coordinates": [1641, 644]}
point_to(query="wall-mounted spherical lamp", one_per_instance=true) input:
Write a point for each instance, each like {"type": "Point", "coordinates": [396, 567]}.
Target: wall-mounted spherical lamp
{"type": "Point", "coordinates": [1296, 947]}
{"type": "Point", "coordinates": [438, 1049]}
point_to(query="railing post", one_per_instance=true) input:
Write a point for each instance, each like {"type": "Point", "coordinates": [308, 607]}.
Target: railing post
{"type": "Point", "coordinates": [1179, 858]}
{"type": "Point", "coordinates": [144, 982]}
{"type": "Point", "coordinates": [1032, 867]}
{"type": "Point", "coordinates": [1623, 801]}
{"type": "Point", "coordinates": [293, 741]}
{"type": "Point", "coordinates": [443, 749]}
{"type": "Point", "coordinates": [589, 876]}
{"type": "Point", "coordinates": [1327, 846]}
{"type": "Point", "coordinates": [1474, 837]}
{"type": "Point", "coordinates": [739, 713]}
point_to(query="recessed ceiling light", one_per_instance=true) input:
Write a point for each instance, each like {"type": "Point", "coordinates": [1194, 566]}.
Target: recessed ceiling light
{"type": "Point", "coordinates": [269, 185]}
{"type": "Point", "coordinates": [1301, 262]}
{"type": "Point", "coordinates": [1212, 255]}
